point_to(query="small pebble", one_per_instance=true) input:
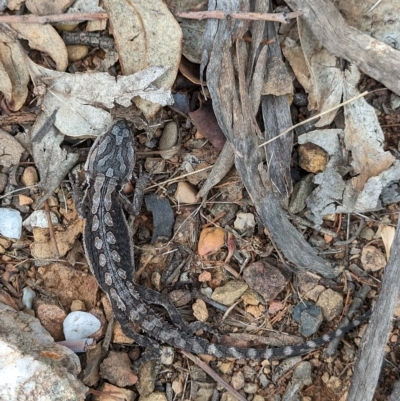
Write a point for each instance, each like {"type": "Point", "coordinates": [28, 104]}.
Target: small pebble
{"type": "Point", "coordinates": [29, 176]}
{"type": "Point", "coordinates": [331, 304]}
{"type": "Point", "coordinates": [39, 219]}
{"type": "Point", "coordinates": [28, 295]}
{"type": "Point", "coordinates": [79, 325]}
{"type": "Point", "coordinates": [24, 200]}
{"type": "Point", "coordinates": [169, 138]}
{"type": "Point", "coordinates": [372, 258]}
{"type": "Point", "coordinates": [10, 223]}
{"type": "Point", "coordinates": [185, 193]}
{"type": "Point", "coordinates": [77, 305]}
{"type": "Point", "coordinates": [245, 223]}
{"type": "Point", "coordinates": [77, 52]}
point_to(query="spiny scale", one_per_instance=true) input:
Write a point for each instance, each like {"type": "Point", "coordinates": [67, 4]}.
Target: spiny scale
{"type": "Point", "coordinates": [109, 250]}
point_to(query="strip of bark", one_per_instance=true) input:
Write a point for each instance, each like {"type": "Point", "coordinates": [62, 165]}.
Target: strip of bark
{"type": "Point", "coordinates": [371, 56]}
{"type": "Point", "coordinates": [372, 350]}
{"type": "Point", "coordinates": [232, 105]}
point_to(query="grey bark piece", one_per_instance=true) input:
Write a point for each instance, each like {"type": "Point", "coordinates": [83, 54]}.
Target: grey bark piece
{"type": "Point", "coordinates": [46, 370]}
{"type": "Point", "coordinates": [277, 118]}
{"type": "Point", "coordinates": [235, 117]}
{"type": "Point", "coordinates": [368, 365]}
{"type": "Point", "coordinates": [371, 56]}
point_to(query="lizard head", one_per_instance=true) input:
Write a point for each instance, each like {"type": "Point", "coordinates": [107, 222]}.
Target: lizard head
{"type": "Point", "coordinates": [113, 154]}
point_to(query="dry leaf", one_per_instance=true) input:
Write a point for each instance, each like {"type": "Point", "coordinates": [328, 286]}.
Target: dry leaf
{"type": "Point", "coordinates": [79, 95]}
{"type": "Point", "coordinates": [387, 235]}
{"type": "Point", "coordinates": [146, 34]}
{"type": "Point", "coordinates": [45, 7]}
{"type": "Point", "coordinates": [44, 37]}
{"type": "Point", "coordinates": [14, 66]}
{"type": "Point", "coordinates": [316, 69]}
{"type": "Point", "coordinates": [364, 137]}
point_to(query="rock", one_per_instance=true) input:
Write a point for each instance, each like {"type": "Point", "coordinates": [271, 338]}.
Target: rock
{"type": "Point", "coordinates": [79, 325]}
{"type": "Point", "coordinates": [180, 297]}
{"type": "Point", "coordinates": [311, 318]}
{"type": "Point", "coordinates": [331, 304]}
{"type": "Point", "coordinates": [77, 52]}
{"type": "Point", "coordinates": [43, 370]}
{"type": "Point", "coordinates": [200, 310]}
{"type": "Point", "coordinates": [77, 305]}
{"type": "Point", "coordinates": [284, 367]}
{"type": "Point", "coordinates": [112, 393]}
{"type": "Point", "coordinates": [300, 99]}
{"type": "Point", "coordinates": [372, 258]}
{"type": "Point", "coordinates": [169, 139]}
{"type": "Point", "coordinates": [29, 176]}
{"type": "Point", "coordinates": [254, 310]}
{"type": "Point", "coordinates": [314, 294]}
{"type": "Point", "coordinates": [237, 380]}
{"type": "Point", "coordinates": [251, 297]}
{"type": "Point", "coordinates": [250, 388]}
{"type": "Point", "coordinates": [211, 240]}
{"type": "Point", "coordinates": [224, 397]}
{"type": "Point", "coordinates": [147, 377]}
{"type": "Point", "coordinates": [185, 193]}
{"type": "Point", "coordinates": [39, 219]}
{"type": "Point", "coordinates": [28, 295]}
{"type": "Point", "coordinates": [245, 223]}
{"type": "Point", "coordinates": [11, 151]}
{"type": "Point", "coordinates": [367, 233]}
{"type": "Point", "coordinates": [116, 368]}
{"type": "Point", "coordinates": [317, 241]}
{"type": "Point", "coordinates": [3, 182]}
{"type": "Point", "coordinates": [312, 158]}
{"type": "Point", "coordinates": [51, 316]}
{"type": "Point", "coordinates": [177, 386]}
{"type": "Point", "coordinates": [266, 279]}
{"type": "Point", "coordinates": [10, 223]}
{"type": "Point", "coordinates": [167, 356]}
{"type": "Point", "coordinates": [226, 368]}
{"type": "Point", "coordinates": [156, 396]}
{"type": "Point", "coordinates": [24, 200]}
{"type": "Point", "coordinates": [229, 211]}
{"type": "Point", "coordinates": [6, 243]}
{"type": "Point", "coordinates": [300, 193]}
{"type": "Point", "coordinates": [301, 377]}
{"type": "Point", "coordinates": [394, 101]}
{"type": "Point", "coordinates": [230, 292]}
{"type": "Point", "coordinates": [68, 284]}
{"type": "Point", "coordinates": [118, 335]}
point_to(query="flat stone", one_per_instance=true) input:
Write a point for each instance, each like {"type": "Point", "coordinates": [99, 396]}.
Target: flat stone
{"type": "Point", "coordinates": [116, 368]}
{"type": "Point", "coordinates": [301, 192]}
{"type": "Point", "coordinates": [372, 258]}
{"type": "Point", "coordinates": [331, 304]}
{"type": "Point", "coordinates": [185, 193]}
{"type": "Point", "coordinates": [266, 279]}
{"type": "Point", "coordinates": [230, 292]}
{"type": "Point", "coordinates": [52, 316]}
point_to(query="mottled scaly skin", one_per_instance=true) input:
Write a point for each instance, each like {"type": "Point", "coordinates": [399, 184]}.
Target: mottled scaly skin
{"type": "Point", "coordinates": [109, 250]}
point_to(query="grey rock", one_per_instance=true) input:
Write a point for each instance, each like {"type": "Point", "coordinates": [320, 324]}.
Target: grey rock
{"type": "Point", "coordinates": [25, 344]}
{"type": "Point", "coordinates": [300, 193]}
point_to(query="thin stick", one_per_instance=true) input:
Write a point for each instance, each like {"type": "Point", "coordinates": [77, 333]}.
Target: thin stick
{"type": "Point", "coordinates": [217, 14]}
{"type": "Point", "coordinates": [314, 117]}
{"type": "Point", "coordinates": [43, 19]}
